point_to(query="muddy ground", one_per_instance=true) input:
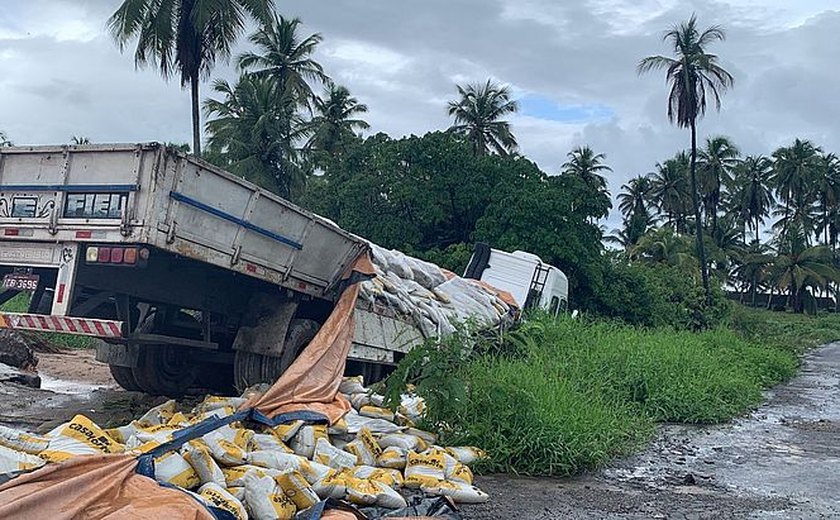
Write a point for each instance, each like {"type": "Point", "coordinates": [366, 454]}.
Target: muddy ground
{"type": "Point", "coordinates": [783, 461]}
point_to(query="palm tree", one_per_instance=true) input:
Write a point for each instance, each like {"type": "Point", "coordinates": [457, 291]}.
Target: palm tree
{"type": "Point", "coordinates": [587, 166]}
{"type": "Point", "coordinates": [257, 132]}
{"type": "Point", "coordinates": [635, 195]}
{"type": "Point", "coordinates": [669, 190]}
{"type": "Point", "coordinates": [752, 269]}
{"type": "Point", "coordinates": [4, 141]}
{"type": "Point", "coordinates": [798, 267]}
{"type": "Point", "coordinates": [77, 139]}
{"type": "Point", "coordinates": [184, 37]}
{"type": "Point", "coordinates": [285, 56]}
{"type": "Point", "coordinates": [795, 171]}
{"type": "Point", "coordinates": [751, 196]}
{"type": "Point", "coordinates": [663, 246]}
{"type": "Point", "coordinates": [716, 162]}
{"type": "Point", "coordinates": [692, 73]}
{"type": "Point", "coordinates": [478, 116]}
{"type": "Point", "coordinates": [334, 121]}
{"type": "Point", "coordinates": [827, 191]}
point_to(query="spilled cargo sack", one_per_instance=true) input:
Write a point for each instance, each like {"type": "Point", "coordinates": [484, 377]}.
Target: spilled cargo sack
{"type": "Point", "coordinates": [393, 458]}
{"type": "Point", "coordinates": [466, 454]}
{"type": "Point", "coordinates": [204, 465]}
{"type": "Point", "coordinates": [158, 415]}
{"type": "Point", "coordinates": [217, 496]}
{"type": "Point", "coordinates": [12, 461]}
{"type": "Point", "coordinates": [390, 477]}
{"type": "Point", "coordinates": [279, 461]}
{"type": "Point", "coordinates": [425, 469]}
{"type": "Point", "coordinates": [173, 469]}
{"type": "Point", "coordinates": [304, 442]}
{"type": "Point", "coordinates": [22, 441]}
{"type": "Point", "coordinates": [297, 488]}
{"type": "Point", "coordinates": [268, 442]}
{"type": "Point", "coordinates": [265, 499]}
{"type": "Point", "coordinates": [332, 485]}
{"type": "Point", "coordinates": [365, 448]}
{"type": "Point", "coordinates": [457, 491]}
{"type": "Point", "coordinates": [80, 436]}
{"type": "Point", "coordinates": [329, 455]}
{"type": "Point", "coordinates": [403, 441]}
{"type": "Point", "coordinates": [285, 432]}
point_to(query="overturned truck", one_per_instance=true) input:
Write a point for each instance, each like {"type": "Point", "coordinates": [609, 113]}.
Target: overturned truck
{"type": "Point", "coordinates": [195, 278]}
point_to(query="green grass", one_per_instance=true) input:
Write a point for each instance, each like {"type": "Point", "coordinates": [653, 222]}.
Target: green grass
{"type": "Point", "coordinates": [20, 303]}
{"type": "Point", "coordinates": [558, 397]}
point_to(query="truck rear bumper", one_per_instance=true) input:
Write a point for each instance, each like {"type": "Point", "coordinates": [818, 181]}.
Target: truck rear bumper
{"type": "Point", "coordinates": [62, 324]}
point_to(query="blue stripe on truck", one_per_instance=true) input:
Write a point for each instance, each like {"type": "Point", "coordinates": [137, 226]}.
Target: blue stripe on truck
{"type": "Point", "coordinates": [180, 197]}
{"type": "Point", "coordinates": [74, 188]}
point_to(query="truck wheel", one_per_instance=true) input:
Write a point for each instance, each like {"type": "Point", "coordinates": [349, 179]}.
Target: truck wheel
{"type": "Point", "coordinates": [250, 369]}
{"type": "Point", "coordinates": [165, 370]}
{"type": "Point", "coordinates": [124, 376]}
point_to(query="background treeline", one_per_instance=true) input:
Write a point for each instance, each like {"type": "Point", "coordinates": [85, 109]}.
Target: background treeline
{"type": "Point", "coordinates": [760, 224]}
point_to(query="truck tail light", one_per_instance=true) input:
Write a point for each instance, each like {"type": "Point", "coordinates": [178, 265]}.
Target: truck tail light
{"type": "Point", "coordinates": [117, 255]}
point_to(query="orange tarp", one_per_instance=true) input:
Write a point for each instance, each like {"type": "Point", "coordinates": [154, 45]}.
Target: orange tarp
{"type": "Point", "coordinates": [311, 382]}
{"type": "Point", "coordinates": [95, 487]}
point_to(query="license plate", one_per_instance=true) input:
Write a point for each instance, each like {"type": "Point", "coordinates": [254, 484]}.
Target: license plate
{"type": "Point", "coordinates": [20, 282]}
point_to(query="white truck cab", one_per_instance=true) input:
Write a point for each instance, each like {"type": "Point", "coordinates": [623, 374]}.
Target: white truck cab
{"type": "Point", "coordinates": [531, 282]}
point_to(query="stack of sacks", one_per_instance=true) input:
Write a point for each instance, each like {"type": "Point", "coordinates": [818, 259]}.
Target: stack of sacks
{"type": "Point", "coordinates": [422, 292]}
{"type": "Point", "coordinates": [253, 471]}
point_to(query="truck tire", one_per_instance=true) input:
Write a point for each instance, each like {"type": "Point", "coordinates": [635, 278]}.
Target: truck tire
{"type": "Point", "coordinates": [124, 376]}
{"type": "Point", "coordinates": [250, 369]}
{"type": "Point", "coordinates": [165, 370]}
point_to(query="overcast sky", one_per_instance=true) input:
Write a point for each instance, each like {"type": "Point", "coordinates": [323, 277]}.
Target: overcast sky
{"type": "Point", "coordinates": [570, 63]}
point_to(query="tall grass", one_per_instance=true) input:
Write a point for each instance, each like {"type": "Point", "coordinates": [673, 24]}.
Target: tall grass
{"type": "Point", "coordinates": [560, 396]}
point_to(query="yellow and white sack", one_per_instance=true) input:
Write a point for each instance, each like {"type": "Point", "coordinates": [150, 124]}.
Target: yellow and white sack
{"type": "Point", "coordinates": [236, 476]}
{"type": "Point", "coordinates": [457, 491]}
{"type": "Point", "coordinates": [376, 412]}
{"type": "Point", "coordinates": [12, 461]}
{"type": "Point", "coordinates": [297, 488]}
{"type": "Point", "coordinates": [158, 415]}
{"type": "Point", "coordinates": [365, 448]}
{"type": "Point", "coordinates": [204, 465]}
{"type": "Point", "coordinates": [80, 436]}
{"type": "Point", "coordinates": [22, 441]}
{"type": "Point", "coordinates": [217, 496]}
{"type": "Point", "coordinates": [279, 461]}
{"type": "Point", "coordinates": [173, 468]}
{"type": "Point", "coordinates": [332, 485]}
{"type": "Point", "coordinates": [466, 454]}
{"type": "Point", "coordinates": [307, 437]}
{"type": "Point", "coordinates": [212, 402]}
{"type": "Point", "coordinates": [352, 385]}
{"type": "Point", "coordinates": [403, 441]}
{"type": "Point", "coordinates": [286, 432]}
{"type": "Point", "coordinates": [426, 469]}
{"type": "Point", "coordinates": [390, 477]}
{"type": "Point", "coordinates": [265, 500]}
{"type": "Point", "coordinates": [393, 458]}
{"type": "Point", "coordinates": [268, 442]}
{"type": "Point", "coordinates": [329, 455]}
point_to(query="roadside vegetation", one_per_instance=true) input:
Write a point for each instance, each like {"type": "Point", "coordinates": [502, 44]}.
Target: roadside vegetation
{"type": "Point", "coordinates": [559, 396]}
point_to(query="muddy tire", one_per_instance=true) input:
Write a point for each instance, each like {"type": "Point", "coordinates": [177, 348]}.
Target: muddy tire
{"type": "Point", "coordinates": [124, 376]}
{"type": "Point", "coordinates": [250, 369]}
{"type": "Point", "coordinates": [165, 370]}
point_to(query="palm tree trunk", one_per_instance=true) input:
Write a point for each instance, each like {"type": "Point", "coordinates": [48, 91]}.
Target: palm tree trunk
{"type": "Point", "coordinates": [196, 116]}
{"type": "Point", "coordinates": [698, 224]}
{"type": "Point", "coordinates": [757, 236]}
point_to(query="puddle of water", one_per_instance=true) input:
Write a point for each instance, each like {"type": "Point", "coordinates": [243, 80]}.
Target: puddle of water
{"type": "Point", "coordinates": [67, 387]}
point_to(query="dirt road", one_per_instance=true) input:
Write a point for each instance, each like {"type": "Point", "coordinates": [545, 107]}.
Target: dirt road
{"type": "Point", "coordinates": [783, 461]}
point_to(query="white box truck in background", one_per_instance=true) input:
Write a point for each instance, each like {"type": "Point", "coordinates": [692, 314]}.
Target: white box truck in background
{"type": "Point", "coordinates": [547, 287]}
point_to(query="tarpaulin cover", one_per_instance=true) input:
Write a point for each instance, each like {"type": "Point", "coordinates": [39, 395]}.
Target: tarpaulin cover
{"type": "Point", "coordinates": [311, 382]}
{"type": "Point", "coordinates": [94, 487]}
{"type": "Point", "coordinates": [111, 487]}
